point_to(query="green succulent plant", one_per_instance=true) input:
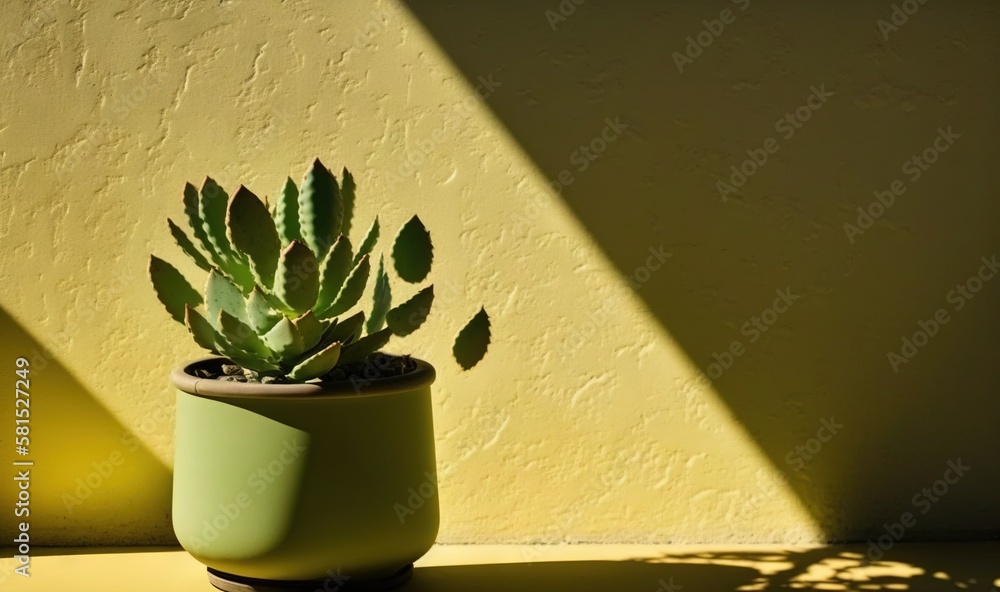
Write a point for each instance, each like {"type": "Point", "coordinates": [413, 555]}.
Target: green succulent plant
{"type": "Point", "coordinates": [283, 281]}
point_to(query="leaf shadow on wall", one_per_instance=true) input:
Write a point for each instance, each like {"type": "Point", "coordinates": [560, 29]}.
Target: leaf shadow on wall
{"type": "Point", "coordinates": [93, 481]}
{"type": "Point", "coordinates": [707, 267]}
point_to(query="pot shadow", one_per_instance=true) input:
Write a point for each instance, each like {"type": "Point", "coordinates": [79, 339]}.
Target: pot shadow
{"type": "Point", "coordinates": [919, 567]}
{"type": "Point", "coordinates": [93, 481]}
{"type": "Point", "coordinates": [563, 76]}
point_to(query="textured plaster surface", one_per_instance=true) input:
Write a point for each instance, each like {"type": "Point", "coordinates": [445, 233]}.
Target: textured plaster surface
{"type": "Point", "coordinates": [580, 425]}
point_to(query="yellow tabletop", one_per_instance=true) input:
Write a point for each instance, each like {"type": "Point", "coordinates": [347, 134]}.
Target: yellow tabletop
{"type": "Point", "coordinates": [923, 567]}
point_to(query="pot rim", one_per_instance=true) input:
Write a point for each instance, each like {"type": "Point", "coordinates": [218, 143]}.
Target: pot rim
{"type": "Point", "coordinates": [182, 378]}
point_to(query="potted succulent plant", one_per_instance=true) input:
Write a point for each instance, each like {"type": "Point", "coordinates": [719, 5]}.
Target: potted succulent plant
{"type": "Point", "coordinates": [304, 456]}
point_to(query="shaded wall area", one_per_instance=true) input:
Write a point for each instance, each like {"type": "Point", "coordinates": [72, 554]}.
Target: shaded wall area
{"type": "Point", "coordinates": [637, 111]}
{"type": "Point", "coordinates": [92, 479]}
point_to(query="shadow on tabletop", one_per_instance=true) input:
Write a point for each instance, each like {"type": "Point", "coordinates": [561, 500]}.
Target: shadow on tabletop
{"type": "Point", "coordinates": [923, 568]}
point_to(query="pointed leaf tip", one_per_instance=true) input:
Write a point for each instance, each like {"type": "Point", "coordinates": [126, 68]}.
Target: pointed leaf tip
{"type": "Point", "coordinates": [252, 232]}
{"type": "Point", "coordinates": [172, 289]}
{"type": "Point", "coordinates": [412, 251]}
{"type": "Point", "coordinates": [473, 341]}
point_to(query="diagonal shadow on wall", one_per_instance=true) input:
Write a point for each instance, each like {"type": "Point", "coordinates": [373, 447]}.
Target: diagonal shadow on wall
{"type": "Point", "coordinates": [567, 71]}
{"type": "Point", "coordinates": [93, 481]}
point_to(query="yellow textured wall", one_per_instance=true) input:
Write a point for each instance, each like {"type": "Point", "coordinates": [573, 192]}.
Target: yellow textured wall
{"type": "Point", "coordinates": [590, 419]}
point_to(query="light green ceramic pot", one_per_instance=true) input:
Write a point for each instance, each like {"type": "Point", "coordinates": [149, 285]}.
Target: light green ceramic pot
{"type": "Point", "coordinates": [305, 481]}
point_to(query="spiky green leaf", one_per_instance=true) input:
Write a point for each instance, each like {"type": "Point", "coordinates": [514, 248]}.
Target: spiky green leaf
{"type": "Point", "coordinates": [347, 189]}
{"type": "Point", "coordinates": [352, 290]}
{"type": "Point", "coordinates": [321, 209]}
{"type": "Point", "coordinates": [412, 252]}
{"type": "Point", "coordinates": [408, 316]}
{"type": "Point", "coordinates": [249, 361]}
{"type": "Point", "coordinates": [316, 365]}
{"type": "Point", "coordinates": [347, 330]}
{"type": "Point", "coordinates": [192, 209]}
{"type": "Point", "coordinates": [182, 240]}
{"type": "Point", "coordinates": [222, 294]}
{"type": "Point", "coordinates": [473, 340]}
{"type": "Point", "coordinates": [203, 332]}
{"type": "Point", "coordinates": [286, 213]}
{"type": "Point", "coordinates": [172, 289]}
{"type": "Point", "coordinates": [284, 340]}
{"type": "Point", "coordinates": [371, 237]}
{"type": "Point", "coordinates": [261, 316]}
{"type": "Point", "coordinates": [242, 336]}
{"type": "Point", "coordinates": [367, 345]}
{"type": "Point", "coordinates": [333, 271]}
{"type": "Point", "coordinates": [297, 280]}
{"type": "Point", "coordinates": [310, 328]}
{"type": "Point", "coordinates": [252, 232]}
{"type": "Point", "coordinates": [212, 211]}
{"type": "Point", "coordinates": [382, 299]}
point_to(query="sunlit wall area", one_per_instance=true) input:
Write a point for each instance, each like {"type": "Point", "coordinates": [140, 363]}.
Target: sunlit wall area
{"type": "Point", "coordinates": [568, 171]}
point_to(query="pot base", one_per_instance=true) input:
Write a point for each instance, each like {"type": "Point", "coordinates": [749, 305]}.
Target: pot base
{"type": "Point", "coordinates": [232, 583]}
